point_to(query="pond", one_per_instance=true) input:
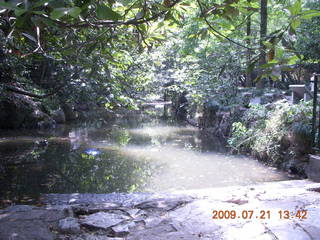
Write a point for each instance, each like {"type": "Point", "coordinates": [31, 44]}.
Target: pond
{"type": "Point", "coordinates": [143, 157]}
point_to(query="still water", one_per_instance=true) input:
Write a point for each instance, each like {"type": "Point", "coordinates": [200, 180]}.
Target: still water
{"type": "Point", "coordinates": [149, 157]}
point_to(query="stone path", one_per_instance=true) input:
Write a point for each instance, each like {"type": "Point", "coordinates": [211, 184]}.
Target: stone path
{"type": "Point", "coordinates": [180, 215]}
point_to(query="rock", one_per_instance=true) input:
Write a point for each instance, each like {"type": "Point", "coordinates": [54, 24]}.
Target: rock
{"type": "Point", "coordinates": [44, 215]}
{"type": "Point", "coordinates": [173, 219]}
{"type": "Point", "coordinates": [22, 222]}
{"type": "Point", "coordinates": [59, 116]}
{"type": "Point", "coordinates": [40, 120]}
{"type": "Point", "coordinates": [93, 208]}
{"type": "Point", "coordinates": [163, 204]}
{"type": "Point", "coordinates": [158, 232]}
{"type": "Point", "coordinates": [18, 111]}
{"type": "Point", "coordinates": [153, 221]}
{"type": "Point", "coordinates": [122, 230]}
{"type": "Point", "coordinates": [133, 212]}
{"type": "Point", "coordinates": [69, 225]}
{"type": "Point", "coordinates": [313, 168]}
{"type": "Point", "coordinates": [103, 220]}
{"type": "Point", "coordinates": [20, 208]}
{"type": "Point", "coordinates": [70, 114]}
{"type": "Point", "coordinates": [25, 230]}
{"type": "Point", "coordinates": [88, 237]}
{"type": "Point", "coordinates": [12, 112]}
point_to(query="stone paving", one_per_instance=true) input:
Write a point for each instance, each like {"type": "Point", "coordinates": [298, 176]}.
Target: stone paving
{"type": "Point", "coordinates": [179, 215]}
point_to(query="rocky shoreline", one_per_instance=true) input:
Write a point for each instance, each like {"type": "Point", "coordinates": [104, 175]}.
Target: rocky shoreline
{"type": "Point", "coordinates": [178, 215]}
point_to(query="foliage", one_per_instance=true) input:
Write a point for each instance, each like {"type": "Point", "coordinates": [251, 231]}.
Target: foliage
{"type": "Point", "coordinates": [239, 135]}
{"type": "Point", "coordinates": [308, 35]}
{"type": "Point", "coordinates": [256, 112]}
{"type": "Point", "coordinates": [112, 53]}
{"type": "Point", "coordinates": [89, 46]}
{"type": "Point", "coordinates": [209, 65]}
{"type": "Point", "coordinates": [262, 132]}
{"type": "Point", "coordinates": [121, 136]}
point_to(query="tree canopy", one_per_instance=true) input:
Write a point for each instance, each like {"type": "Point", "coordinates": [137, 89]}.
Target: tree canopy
{"type": "Point", "coordinates": [111, 51]}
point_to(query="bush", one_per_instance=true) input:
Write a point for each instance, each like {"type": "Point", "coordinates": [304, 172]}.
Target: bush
{"type": "Point", "coordinates": [308, 35]}
{"type": "Point", "coordinates": [261, 132]}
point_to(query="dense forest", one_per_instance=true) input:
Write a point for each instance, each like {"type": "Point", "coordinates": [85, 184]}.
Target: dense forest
{"type": "Point", "coordinates": [82, 60]}
{"type": "Point", "coordinates": [113, 53]}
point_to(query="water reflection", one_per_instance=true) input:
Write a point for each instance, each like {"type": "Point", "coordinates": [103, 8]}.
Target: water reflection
{"type": "Point", "coordinates": [119, 159]}
{"type": "Point", "coordinates": [179, 169]}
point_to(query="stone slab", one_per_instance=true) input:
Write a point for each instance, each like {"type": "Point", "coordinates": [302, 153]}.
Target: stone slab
{"type": "Point", "coordinates": [313, 168]}
{"type": "Point", "coordinates": [175, 215]}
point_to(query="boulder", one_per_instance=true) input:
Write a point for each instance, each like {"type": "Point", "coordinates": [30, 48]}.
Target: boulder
{"type": "Point", "coordinates": [59, 116]}
{"type": "Point", "coordinates": [103, 220]}
{"type": "Point", "coordinates": [69, 225]}
{"type": "Point", "coordinates": [39, 119]}
{"type": "Point", "coordinates": [19, 111]}
{"type": "Point", "coordinates": [313, 168]}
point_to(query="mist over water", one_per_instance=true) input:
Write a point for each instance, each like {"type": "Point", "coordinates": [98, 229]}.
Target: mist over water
{"type": "Point", "coordinates": [181, 164]}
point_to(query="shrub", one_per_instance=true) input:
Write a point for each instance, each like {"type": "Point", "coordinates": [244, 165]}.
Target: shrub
{"type": "Point", "coordinates": [262, 131]}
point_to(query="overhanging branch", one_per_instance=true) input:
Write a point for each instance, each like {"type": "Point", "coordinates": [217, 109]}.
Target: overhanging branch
{"type": "Point", "coordinates": [30, 94]}
{"type": "Point", "coordinates": [218, 32]}
{"type": "Point", "coordinates": [108, 23]}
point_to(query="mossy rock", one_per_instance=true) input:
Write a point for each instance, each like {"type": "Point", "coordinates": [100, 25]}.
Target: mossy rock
{"type": "Point", "coordinates": [18, 111]}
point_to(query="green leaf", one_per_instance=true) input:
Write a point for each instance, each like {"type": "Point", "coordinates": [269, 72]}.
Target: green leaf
{"type": "Point", "coordinates": [106, 13]}
{"type": "Point", "coordinates": [268, 44]}
{"type": "Point", "coordinates": [75, 12]}
{"type": "Point", "coordinates": [90, 48]}
{"type": "Point", "coordinates": [273, 61]}
{"type": "Point", "coordinates": [22, 21]}
{"type": "Point", "coordinates": [293, 60]}
{"type": "Point", "coordinates": [310, 14]}
{"type": "Point", "coordinates": [58, 13]}
{"type": "Point", "coordinates": [143, 28]}
{"type": "Point", "coordinates": [158, 37]}
{"type": "Point", "coordinates": [295, 23]}
{"type": "Point", "coordinates": [30, 37]}
{"type": "Point", "coordinates": [41, 3]}
{"type": "Point", "coordinates": [18, 12]}
{"type": "Point", "coordinates": [274, 77]}
{"type": "Point", "coordinates": [279, 52]}
{"type": "Point", "coordinates": [38, 12]}
{"type": "Point", "coordinates": [268, 65]}
{"type": "Point", "coordinates": [258, 78]}
{"type": "Point", "coordinates": [295, 8]}
{"type": "Point", "coordinates": [10, 6]}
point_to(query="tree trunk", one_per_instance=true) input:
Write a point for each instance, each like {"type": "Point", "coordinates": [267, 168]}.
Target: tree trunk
{"type": "Point", "coordinates": [248, 41]}
{"type": "Point", "coordinates": [263, 34]}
